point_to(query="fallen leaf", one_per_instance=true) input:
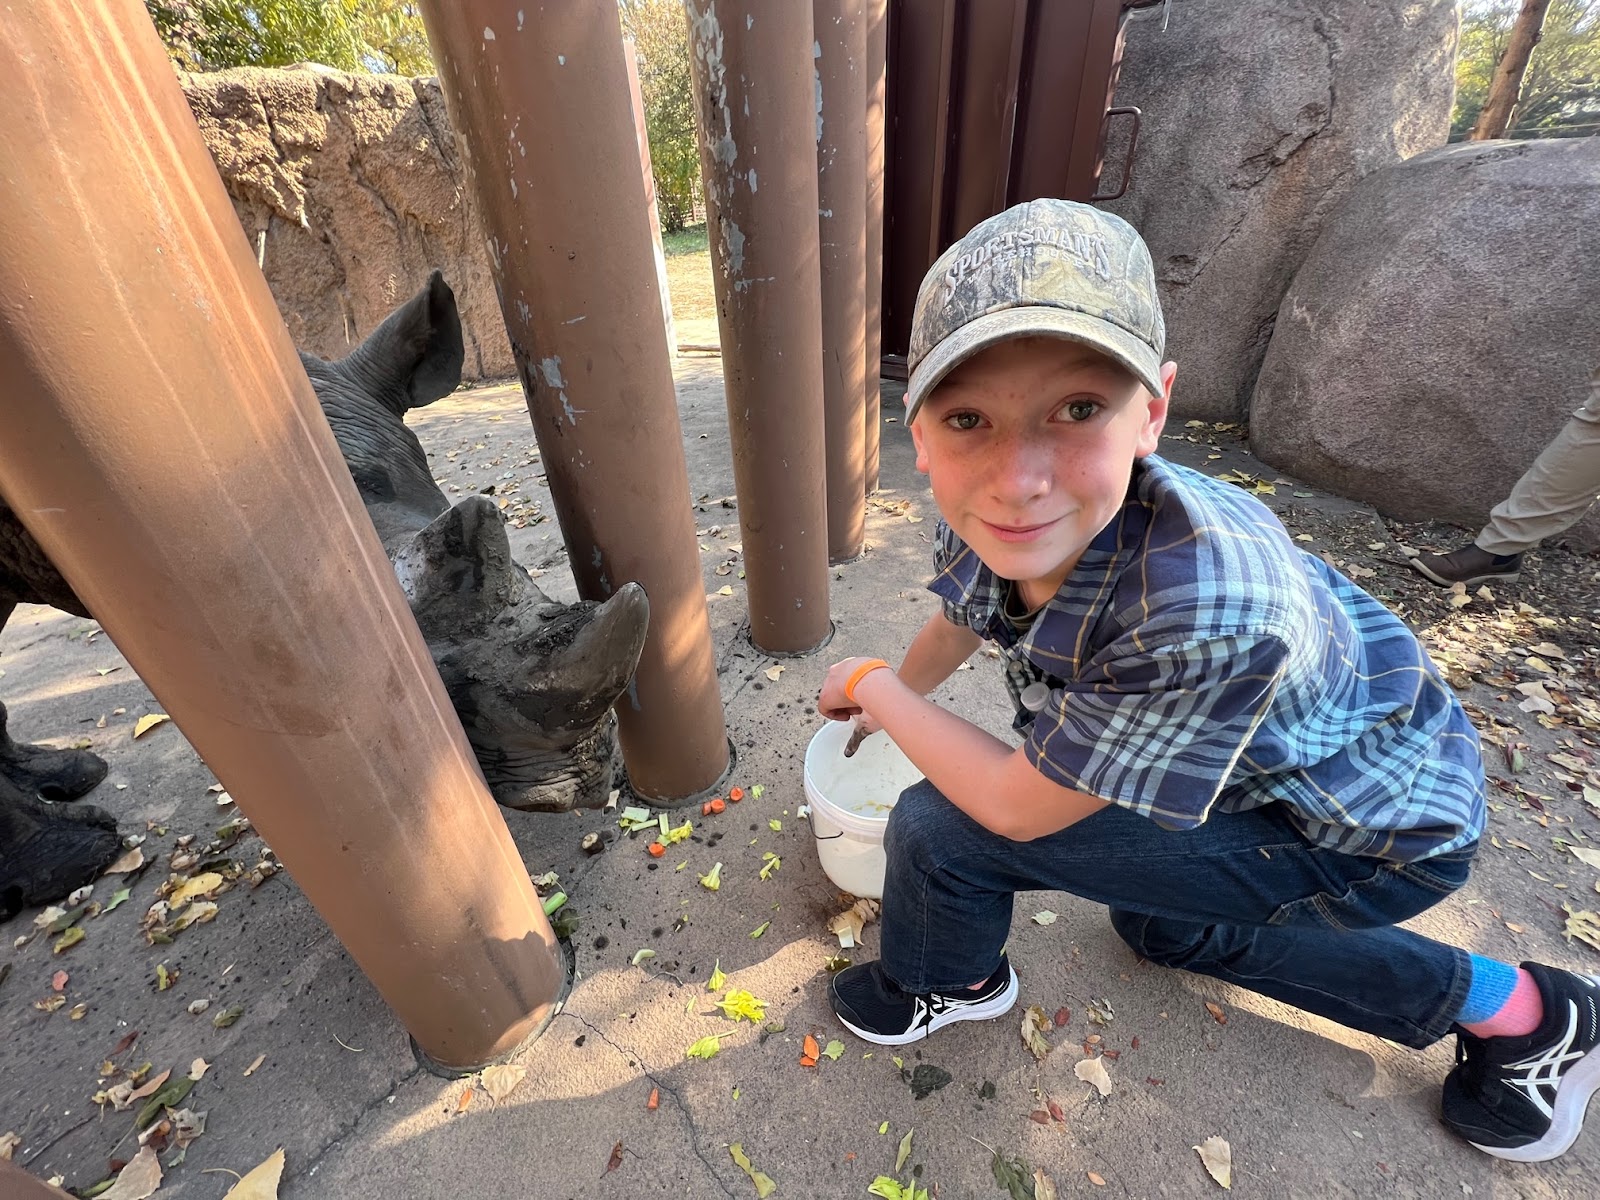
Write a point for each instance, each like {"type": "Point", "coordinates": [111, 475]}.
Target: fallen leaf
{"type": "Point", "coordinates": [717, 979]}
{"type": "Point", "coordinates": [888, 1188]}
{"type": "Point", "coordinates": [925, 1080]}
{"type": "Point", "coordinates": [1592, 857]}
{"type": "Point", "coordinates": [1217, 1015]}
{"type": "Point", "coordinates": [764, 1184]}
{"type": "Point", "coordinates": [502, 1079]}
{"type": "Point", "coordinates": [201, 885]}
{"type": "Point", "coordinates": [1044, 917]}
{"type": "Point", "coordinates": [1217, 1156]}
{"type": "Point", "coordinates": [904, 1152]}
{"type": "Point", "coordinates": [1044, 1188]}
{"type": "Point", "coordinates": [1013, 1175]}
{"type": "Point", "coordinates": [737, 1003]}
{"type": "Point", "coordinates": [1584, 925]}
{"type": "Point", "coordinates": [148, 722]}
{"type": "Point", "coordinates": [772, 673]}
{"type": "Point", "coordinates": [847, 926]}
{"type": "Point", "coordinates": [139, 1179]}
{"type": "Point", "coordinates": [127, 1040]}
{"type": "Point", "coordinates": [8, 1145]}
{"type": "Point", "coordinates": [724, 590]}
{"type": "Point", "coordinates": [1039, 1117]}
{"type": "Point", "coordinates": [165, 978]}
{"type": "Point", "coordinates": [255, 1066]}
{"type": "Point", "coordinates": [150, 1088]}
{"type": "Point", "coordinates": [198, 1068]}
{"type": "Point", "coordinates": [760, 929]}
{"type": "Point", "coordinates": [197, 913]}
{"type": "Point", "coordinates": [261, 1183]}
{"type": "Point", "coordinates": [1034, 1024]}
{"type": "Point", "coordinates": [1100, 1012]}
{"type": "Point", "coordinates": [614, 1161]}
{"type": "Point", "coordinates": [118, 897]}
{"type": "Point", "coordinates": [68, 940]}
{"type": "Point", "coordinates": [78, 1012]}
{"type": "Point", "coordinates": [1093, 1071]}
{"type": "Point", "coordinates": [832, 1051]}
{"type": "Point", "coordinates": [1097, 1180]}
{"type": "Point", "coordinates": [130, 860]}
{"type": "Point", "coordinates": [227, 1016]}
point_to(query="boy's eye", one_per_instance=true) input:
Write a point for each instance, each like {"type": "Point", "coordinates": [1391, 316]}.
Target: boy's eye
{"type": "Point", "coordinates": [1081, 410]}
{"type": "Point", "coordinates": [963, 420]}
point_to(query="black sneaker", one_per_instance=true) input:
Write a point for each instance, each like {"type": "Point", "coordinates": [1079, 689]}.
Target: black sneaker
{"type": "Point", "coordinates": [1523, 1098]}
{"type": "Point", "coordinates": [873, 1006]}
{"type": "Point", "coordinates": [1468, 565]}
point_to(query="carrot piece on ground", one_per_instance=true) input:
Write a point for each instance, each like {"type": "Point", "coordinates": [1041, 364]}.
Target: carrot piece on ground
{"type": "Point", "coordinates": [718, 805]}
{"type": "Point", "coordinates": [736, 794]}
{"type": "Point", "coordinates": [807, 1061]}
{"type": "Point", "coordinates": [706, 810]}
{"type": "Point", "coordinates": [655, 1100]}
{"type": "Point", "coordinates": [810, 1047]}
{"type": "Point", "coordinates": [657, 849]}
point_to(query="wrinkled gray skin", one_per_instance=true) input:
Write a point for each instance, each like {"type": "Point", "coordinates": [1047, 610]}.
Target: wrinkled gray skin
{"type": "Point", "coordinates": [532, 680]}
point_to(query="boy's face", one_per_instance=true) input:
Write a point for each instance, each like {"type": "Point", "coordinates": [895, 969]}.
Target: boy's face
{"type": "Point", "coordinates": [1029, 446]}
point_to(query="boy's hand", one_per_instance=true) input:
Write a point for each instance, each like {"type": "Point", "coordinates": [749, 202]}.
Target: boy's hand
{"type": "Point", "coordinates": [832, 702]}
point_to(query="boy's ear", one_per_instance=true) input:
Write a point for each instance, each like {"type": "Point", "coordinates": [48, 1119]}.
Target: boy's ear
{"type": "Point", "coordinates": [1156, 412]}
{"type": "Point", "coordinates": [916, 439]}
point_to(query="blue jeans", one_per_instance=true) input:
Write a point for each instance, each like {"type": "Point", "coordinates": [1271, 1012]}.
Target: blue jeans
{"type": "Point", "coordinates": [1244, 898]}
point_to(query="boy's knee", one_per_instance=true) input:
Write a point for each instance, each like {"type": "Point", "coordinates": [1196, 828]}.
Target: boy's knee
{"type": "Point", "coordinates": [916, 819]}
{"type": "Point", "coordinates": [1161, 940]}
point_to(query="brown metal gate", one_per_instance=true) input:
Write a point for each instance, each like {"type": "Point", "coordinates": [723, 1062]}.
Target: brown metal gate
{"type": "Point", "coordinates": [991, 102]}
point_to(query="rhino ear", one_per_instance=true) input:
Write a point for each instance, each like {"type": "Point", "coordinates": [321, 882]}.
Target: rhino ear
{"type": "Point", "coordinates": [415, 356]}
{"type": "Point", "coordinates": [459, 567]}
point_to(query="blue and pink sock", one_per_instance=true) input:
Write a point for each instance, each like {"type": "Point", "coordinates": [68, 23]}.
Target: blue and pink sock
{"type": "Point", "coordinates": [1503, 1001]}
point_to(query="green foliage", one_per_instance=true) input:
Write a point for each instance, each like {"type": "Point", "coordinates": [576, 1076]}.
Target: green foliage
{"type": "Point", "coordinates": [660, 33]}
{"type": "Point", "coordinates": [352, 35]}
{"type": "Point", "coordinates": [1561, 91]}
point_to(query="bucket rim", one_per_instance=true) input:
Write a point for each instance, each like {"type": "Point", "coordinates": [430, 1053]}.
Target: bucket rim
{"type": "Point", "coordinates": [850, 822]}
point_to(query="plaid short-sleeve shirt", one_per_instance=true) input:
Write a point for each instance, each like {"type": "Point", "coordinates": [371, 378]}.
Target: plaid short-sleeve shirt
{"type": "Point", "coordinates": [1198, 660]}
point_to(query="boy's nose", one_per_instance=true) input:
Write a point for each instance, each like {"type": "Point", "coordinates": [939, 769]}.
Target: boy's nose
{"type": "Point", "coordinates": [1021, 472]}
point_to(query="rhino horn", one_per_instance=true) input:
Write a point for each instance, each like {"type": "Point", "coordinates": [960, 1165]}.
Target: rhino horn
{"type": "Point", "coordinates": [587, 658]}
{"type": "Point", "coordinates": [457, 571]}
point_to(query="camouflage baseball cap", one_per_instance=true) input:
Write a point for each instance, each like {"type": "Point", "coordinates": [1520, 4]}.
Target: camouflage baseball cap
{"type": "Point", "coordinates": [1044, 268]}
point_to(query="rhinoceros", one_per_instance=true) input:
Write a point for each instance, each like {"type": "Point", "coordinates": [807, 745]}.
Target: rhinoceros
{"type": "Point", "coordinates": [532, 680]}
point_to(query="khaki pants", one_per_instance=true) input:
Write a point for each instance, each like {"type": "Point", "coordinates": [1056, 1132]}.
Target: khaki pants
{"type": "Point", "coordinates": [1557, 490]}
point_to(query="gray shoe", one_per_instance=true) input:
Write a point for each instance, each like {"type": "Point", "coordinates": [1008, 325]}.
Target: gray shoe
{"type": "Point", "coordinates": [1468, 565]}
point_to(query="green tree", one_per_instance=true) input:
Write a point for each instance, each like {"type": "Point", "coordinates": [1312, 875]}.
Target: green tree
{"type": "Point", "coordinates": [352, 35]}
{"type": "Point", "coordinates": [1560, 94]}
{"type": "Point", "coordinates": [660, 33]}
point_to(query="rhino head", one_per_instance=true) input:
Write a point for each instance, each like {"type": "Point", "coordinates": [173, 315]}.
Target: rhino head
{"type": "Point", "coordinates": [532, 680]}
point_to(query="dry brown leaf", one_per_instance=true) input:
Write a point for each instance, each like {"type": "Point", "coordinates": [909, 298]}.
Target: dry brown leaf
{"type": "Point", "coordinates": [151, 1087]}
{"type": "Point", "coordinates": [1044, 1188]}
{"type": "Point", "coordinates": [201, 885]}
{"type": "Point", "coordinates": [614, 1161]}
{"type": "Point", "coordinates": [198, 1068]}
{"type": "Point", "coordinates": [261, 1183]}
{"type": "Point", "coordinates": [1034, 1024]}
{"type": "Point", "coordinates": [1592, 857]}
{"type": "Point", "coordinates": [501, 1080]}
{"type": "Point", "coordinates": [465, 1102]}
{"type": "Point", "coordinates": [8, 1145]}
{"type": "Point", "coordinates": [131, 860]}
{"type": "Point", "coordinates": [139, 1179]}
{"type": "Point", "coordinates": [1092, 1071]}
{"type": "Point", "coordinates": [772, 673]}
{"type": "Point", "coordinates": [253, 1067]}
{"type": "Point", "coordinates": [1217, 1015]}
{"type": "Point", "coordinates": [1217, 1156]}
{"type": "Point", "coordinates": [1583, 925]}
{"type": "Point", "coordinates": [1094, 1178]}
{"type": "Point", "coordinates": [847, 926]}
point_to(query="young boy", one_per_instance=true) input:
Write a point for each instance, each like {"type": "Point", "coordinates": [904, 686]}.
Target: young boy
{"type": "Point", "coordinates": [1247, 758]}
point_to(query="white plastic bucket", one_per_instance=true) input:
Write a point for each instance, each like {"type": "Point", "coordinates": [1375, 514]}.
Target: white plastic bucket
{"type": "Point", "coordinates": [850, 801]}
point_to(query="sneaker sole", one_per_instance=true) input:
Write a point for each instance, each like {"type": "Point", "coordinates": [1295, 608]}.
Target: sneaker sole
{"type": "Point", "coordinates": [996, 1006]}
{"type": "Point", "coordinates": [1441, 581]}
{"type": "Point", "coordinates": [1566, 1123]}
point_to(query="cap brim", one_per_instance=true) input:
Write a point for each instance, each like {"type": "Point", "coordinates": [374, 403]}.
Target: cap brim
{"type": "Point", "coordinates": [1032, 321]}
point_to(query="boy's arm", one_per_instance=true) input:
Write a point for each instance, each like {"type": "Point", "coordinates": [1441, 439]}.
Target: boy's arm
{"type": "Point", "coordinates": [992, 783]}
{"type": "Point", "coordinates": [934, 654]}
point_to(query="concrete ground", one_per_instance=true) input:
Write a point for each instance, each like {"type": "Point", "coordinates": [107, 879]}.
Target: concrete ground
{"type": "Point", "coordinates": [1309, 1109]}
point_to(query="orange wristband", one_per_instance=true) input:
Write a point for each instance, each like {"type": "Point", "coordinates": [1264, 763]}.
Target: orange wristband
{"type": "Point", "coordinates": [856, 676]}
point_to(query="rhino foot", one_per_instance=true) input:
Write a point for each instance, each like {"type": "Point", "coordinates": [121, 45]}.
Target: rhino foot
{"type": "Point", "coordinates": [46, 851]}
{"type": "Point", "coordinates": [580, 775]}
{"type": "Point", "coordinates": [41, 771]}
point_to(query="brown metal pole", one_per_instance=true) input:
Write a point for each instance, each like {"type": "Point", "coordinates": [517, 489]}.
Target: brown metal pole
{"type": "Point", "coordinates": [756, 98]}
{"type": "Point", "coordinates": [538, 94]}
{"type": "Point", "coordinates": [841, 50]}
{"type": "Point", "coordinates": [877, 18]}
{"type": "Point", "coordinates": [163, 444]}
{"type": "Point", "coordinates": [17, 1184]}
{"type": "Point", "coordinates": [630, 55]}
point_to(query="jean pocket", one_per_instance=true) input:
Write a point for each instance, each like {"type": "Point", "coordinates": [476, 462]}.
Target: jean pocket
{"type": "Point", "coordinates": [1385, 896]}
{"type": "Point", "coordinates": [1443, 873]}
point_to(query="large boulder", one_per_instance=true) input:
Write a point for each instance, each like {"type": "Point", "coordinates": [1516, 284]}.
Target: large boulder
{"type": "Point", "coordinates": [356, 182]}
{"type": "Point", "coordinates": [1441, 331]}
{"type": "Point", "coordinates": [1258, 116]}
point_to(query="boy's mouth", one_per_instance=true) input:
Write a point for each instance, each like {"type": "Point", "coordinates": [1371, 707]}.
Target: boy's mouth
{"type": "Point", "coordinates": [1017, 533]}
